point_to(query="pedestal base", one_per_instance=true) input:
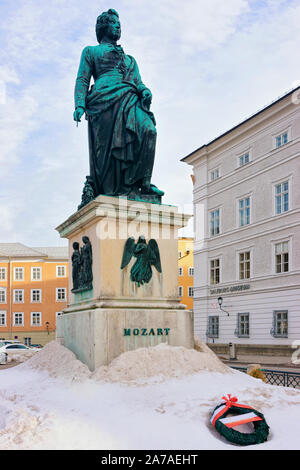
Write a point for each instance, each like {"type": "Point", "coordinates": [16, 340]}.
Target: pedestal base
{"type": "Point", "coordinates": [117, 314]}
{"type": "Point", "coordinates": [99, 335]}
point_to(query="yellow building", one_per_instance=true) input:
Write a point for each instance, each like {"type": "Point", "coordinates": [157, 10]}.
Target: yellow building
{"type": "Point", "coordinates": [33, 291]}
{"type": "Point", "coordinates": [186, 271]}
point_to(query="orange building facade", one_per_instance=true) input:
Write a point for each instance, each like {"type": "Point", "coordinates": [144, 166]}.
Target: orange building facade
{"type": "Point", "coordinates": [186, 271]}
{"type": "Point", "coordinates": [33, 291]}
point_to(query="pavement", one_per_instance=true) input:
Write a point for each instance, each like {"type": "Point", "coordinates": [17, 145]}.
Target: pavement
{"type": "Point", "coordinates": [266, 362]}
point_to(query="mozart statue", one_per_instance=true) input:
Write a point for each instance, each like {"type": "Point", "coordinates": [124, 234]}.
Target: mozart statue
{"type": "Point", "coordinates": [121, 127]}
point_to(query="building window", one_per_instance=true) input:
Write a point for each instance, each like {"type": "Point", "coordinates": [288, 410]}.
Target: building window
{"type": "Point", "coordinates": [2, 274]}
{"type": "Point", "coordinates": [244, 211]}
{"type": "Point", "coordinates": [36, 274]}
{"type": "Point", "coordinates": [215, 174]}
{"type": "Point", "coordinates": [243, 325]}
{"type": "Point", "coordinates": [2, 296]}
{"type": "Point", "coordinates": [61, 294]}
{"type": "Point", "coordinates": [180, 271]}
{"type": "Point", "coordinates": [180, 291]}
{"type": "Point", "coordinates": [282, 257]}
{"type": "Point", "coordinates": [281, 197]}
{"type": "Point", "coordinates": [18, 319]}
{"type": "Point", "coordinates": [60, 271]}
{"type": "Point", "coordinates": [36, 319]}
{"type": "Point", "coordinates": [2, 318]}
{"type": "Point", "coordinates": [244, 159]}
{"type": "Point", "coordinates": [191, 271]}
{"type": "Point", "coordinates": [36, 295]}
{"type": "Point", "coordinates": [214, 222]}
{"type": "Point", "coordinates": [18, 274]}
{"type": "Point", "coordinates": [281, 139]}
{"type": "Point", "coordinates": [27, 341]}
{"type": "Point", "coordinates": [244, 265]}
{"type": "Point", "coordinates": [280, 324]}
{"type": "Point", "coordinates": [215, 271]}
{"type": "Point", "coordinates": [191, 291]}
{"type": "Point", "coordinates": [18, 296]}
{"type": "Point", "coordinates": [213, 327]}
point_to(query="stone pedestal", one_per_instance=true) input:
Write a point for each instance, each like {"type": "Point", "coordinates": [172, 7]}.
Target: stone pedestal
{"type": "Point", "coordinates": [117, 315]}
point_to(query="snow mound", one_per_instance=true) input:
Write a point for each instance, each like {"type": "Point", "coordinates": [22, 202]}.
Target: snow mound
{"type": "Point", "coordinates": [22, 430]}
{"type": "Point", "coordinates": [59, 362]}
{"type": "Point", "coordinates": [141, 366]}
{"type": "Point", "coordinates": [21, 357]}
{"type": "Point", "coordinates": [159, 363]}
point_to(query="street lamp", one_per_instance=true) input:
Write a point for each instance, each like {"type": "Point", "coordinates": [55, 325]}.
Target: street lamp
{"type": "Point", "coordinates": [47, 327]}
{"type": "Point", "coordinates": [220, 302]}
{"type": "Point", "coordinates": [187, 252]}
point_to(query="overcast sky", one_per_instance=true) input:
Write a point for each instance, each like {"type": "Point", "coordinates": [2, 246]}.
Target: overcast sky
{"type": "Point", "coordinates": [209, 64]}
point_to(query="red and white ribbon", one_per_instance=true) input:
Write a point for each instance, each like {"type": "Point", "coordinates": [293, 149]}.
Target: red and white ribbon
{"type": "Point", "coordinates": [233, 420]}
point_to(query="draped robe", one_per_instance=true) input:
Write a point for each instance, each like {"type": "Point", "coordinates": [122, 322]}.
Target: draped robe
{"type": "Point", "coordinates": [122, 133]}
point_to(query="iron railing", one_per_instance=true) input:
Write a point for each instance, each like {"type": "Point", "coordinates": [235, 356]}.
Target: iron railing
{"type": "Point", "coordinates": [278, 377]}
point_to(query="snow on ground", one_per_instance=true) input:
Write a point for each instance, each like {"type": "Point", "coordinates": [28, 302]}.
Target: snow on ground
{"type": "Point", "coordinates": [53, 402]}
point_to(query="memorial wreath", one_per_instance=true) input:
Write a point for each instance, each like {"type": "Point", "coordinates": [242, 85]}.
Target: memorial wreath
{"type": "Point", "coordinates": [243, 414]}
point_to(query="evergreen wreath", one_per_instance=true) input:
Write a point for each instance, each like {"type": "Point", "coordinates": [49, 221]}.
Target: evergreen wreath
{"type": "Point", "coordinates": [243, 414]}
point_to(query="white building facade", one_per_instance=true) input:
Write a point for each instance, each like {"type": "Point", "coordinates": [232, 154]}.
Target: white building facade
{"type": "Point", "coordinates": [247, 230]}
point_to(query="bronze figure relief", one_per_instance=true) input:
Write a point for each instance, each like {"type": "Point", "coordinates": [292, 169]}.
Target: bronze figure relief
{"type": "Point", "coordinates": [82, 272]}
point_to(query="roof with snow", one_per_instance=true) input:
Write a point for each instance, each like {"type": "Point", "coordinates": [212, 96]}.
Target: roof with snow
{"type": "Point", "coordinates": [23, 251]}
{"type": "Point", "coordinates": [54, 252]}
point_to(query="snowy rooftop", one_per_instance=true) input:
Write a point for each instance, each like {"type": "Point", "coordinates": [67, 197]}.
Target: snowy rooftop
{"type": "Point", "coordinates": [23, 251]}
{"type": "Point", "coordinates": [54, 252]}
{"type": "Point", "coordinates": [18, 249]}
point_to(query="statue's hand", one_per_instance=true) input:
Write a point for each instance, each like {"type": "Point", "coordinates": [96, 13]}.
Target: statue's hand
{"type": "Point", "coordinates": [146, 98]}
{"type": "Point", "coordinates": [78, 113]}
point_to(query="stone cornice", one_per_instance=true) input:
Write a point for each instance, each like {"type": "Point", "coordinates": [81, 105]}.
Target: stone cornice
{"type": "Point", "coordinates": [115, 208]}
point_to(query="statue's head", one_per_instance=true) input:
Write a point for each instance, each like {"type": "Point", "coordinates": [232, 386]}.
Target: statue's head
{"type": "Point", "coordinates": [76, 246]}
{"type": "Point", "coordinates": [108, 24]}
{"type": "Point", "coordinates": [85, 240]}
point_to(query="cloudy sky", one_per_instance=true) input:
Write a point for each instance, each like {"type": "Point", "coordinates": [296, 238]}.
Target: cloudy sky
{"type": "Point", "coordinates": [209, 64]}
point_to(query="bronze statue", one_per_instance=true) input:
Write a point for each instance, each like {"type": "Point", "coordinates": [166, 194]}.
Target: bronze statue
{"type": "Point", "coordinates": [147, 255]}
{"type": "Point", "coordinates": [76, 266]}
{"type": "Point", "coordinates": [87, 261]}
{"type": "Point", "coordinates": [82, 272]}
{"type": "Point", "coordinates": [121, 127]}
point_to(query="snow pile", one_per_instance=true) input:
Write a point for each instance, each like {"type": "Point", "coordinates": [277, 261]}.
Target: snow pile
{"type": "Point", "coordinates": [23, 357]}
{"type": "Point", "coordinates": [141, 366]}
{"type": "Point", "coordinates": [157, 364]}
{"type": "Point", "coordinates": [59, 362]}
{"type": "Point", "coordinates": [21, 427]}
{"type": "Point", "coordinates": [42, 412]}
